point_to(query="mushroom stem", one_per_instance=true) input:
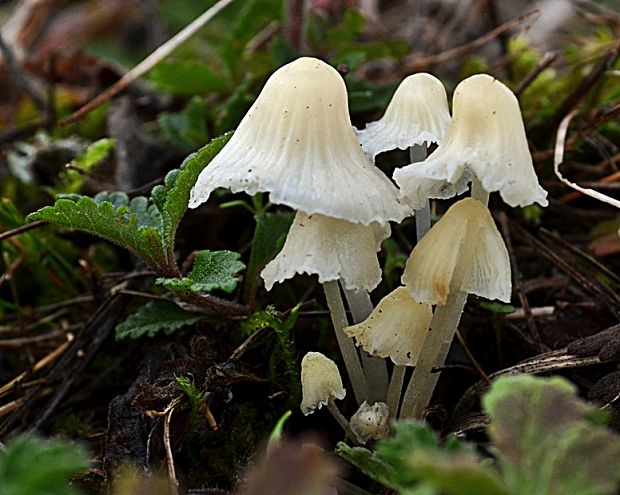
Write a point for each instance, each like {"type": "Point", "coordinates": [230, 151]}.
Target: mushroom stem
{"type": "Point", "coordinates": [395, 391]}
{"type": "Point", "coordinates": [346, 345]}
{"type": "Point", "coordinates": [342, 421]}
{"type": "Point", "coordinates": [375, 368]}
{"type": "Point", "coordinates": [433, 355]}
{"type": "Point", "coordinates": [418, 153]}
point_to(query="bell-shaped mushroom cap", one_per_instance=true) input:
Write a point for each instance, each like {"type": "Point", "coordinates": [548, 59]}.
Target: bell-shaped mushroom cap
{"type": "Point", "coordinates": [330, 248]}
{"type": "Point", "coordinates": [486, 137]}
{"type": "Point", "coordinates": [297, 143]}
{"type": "Point", "coordinates": [462, 251]}
{"type": "Point", "coordinates": [418, 113]}
{"type": "Point", "coordinates": [396, 328]}
{"type": "Point", "coordinates": [320, 382]}
{"type": "Point", "coordinates": [371, 422]}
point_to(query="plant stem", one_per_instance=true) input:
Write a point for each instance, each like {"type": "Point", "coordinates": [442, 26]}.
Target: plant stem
{"type": "Point", "coordinates": [341, 420]}
{"type": "Point", "coordinates": [418, 153]}
{"type": "Point", "coordinates": [395, 391]}
{"type": "Point", "coordinates": [433, 355]}
{"type": "Point", "coordinates": [346, 345]}
{"type": "Point", "coordinates": [375, 368]}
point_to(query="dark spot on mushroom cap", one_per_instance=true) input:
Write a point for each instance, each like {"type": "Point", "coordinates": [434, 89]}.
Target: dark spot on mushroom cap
{"type": "Point", "coordinates": [409, 354]}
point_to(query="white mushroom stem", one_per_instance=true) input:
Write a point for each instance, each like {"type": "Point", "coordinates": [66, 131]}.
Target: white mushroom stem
{"type": "Point", "coordinates": [395, 390]}
{"type": "Point", "coordinates": [478, 192]}
{"type": "Point", "coordinates": [433, 355]}
{"type": "Point", "coordinates": [375, 368]}
{"type": "Point", "coordinates": [341, 420]}
{"type": "Point", "coordinates": [418, 153]}
{"type": "Point", "coordinates": [346, 345]}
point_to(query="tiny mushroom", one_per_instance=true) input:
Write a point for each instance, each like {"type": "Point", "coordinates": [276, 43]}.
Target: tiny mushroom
{"type": "Point", "coordinates": [417, 114]}
{"type": "Point", "coordinates": [485, 144]}
{"type": "Point", "coordinates": [321, 385]}
{"type": "Point", "coordinates": [463, 253]}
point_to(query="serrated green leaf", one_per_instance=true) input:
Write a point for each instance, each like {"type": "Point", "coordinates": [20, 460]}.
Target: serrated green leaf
{"type": "Point", "coordinates": [155, 317]}
{"type": "Point", "coordinates": [213, 270]}
{"type": "Point", "coordinates": [94, 154]}
{"type": "Point", "coordinates": [371, 465]}
{"type": "Point", "coordinates": [547, 444]}
{"type": "Point", "coordinates": [131, 225]}
{"type": "Point", "coordinates": [186, 78]}
{"type": "Point", "coordinates": [172, 198]}
{"type": "Point", "coordinates": [33, 466]}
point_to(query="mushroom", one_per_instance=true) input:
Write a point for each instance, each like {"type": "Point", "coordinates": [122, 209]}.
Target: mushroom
{"type": "Point", "coordinates": [371, 421]}
{"type": "Point", "coordinates": [485, 144]}
{"type": "Point", "coordinates": [416, 116]}
{"type": "Point", "coordinates": [320, 386]}
{"type": "Point", "coordinates": [396, 328]}
{"type": "Point", "coordinates": [463, 253]}
{"type": "Point", "coordinates": [296, 143]}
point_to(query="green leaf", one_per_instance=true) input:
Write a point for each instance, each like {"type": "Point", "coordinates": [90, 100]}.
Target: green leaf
{"type": "Point", "coordinates": [185, 78]}
{"type": "Point", "coordinates": [33, 466]}
{"type": "Point", "coordinates": [187, 129]}
{"type": "Point", "coordinates": [413, 461]}
{"type": "Point", "coordinates": [155, 317]}
{"type": "Point", "coordinates": [94, 154]}
{"type": "Point", "coordinates": [546, 440]}
{"type": "Point", "coordinates": [213, 270]}
{"type": "Point", "coordinates": [131, 224]}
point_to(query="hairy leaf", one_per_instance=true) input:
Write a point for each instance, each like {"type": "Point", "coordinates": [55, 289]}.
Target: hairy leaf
{"type": "Point", "coordinates": [414, 460]}
{"type": "Point", "coordinates": [130, 224]}
{"type": "Point", "coordinates": [548, 440]}
{"type": "Point", "coordinates": [213, 270]}
{"type": "Point", "coordinates": [186, 129]}
{"type": "Point", "coordinates": [33, 466]}
{"type": "Point", "coordinates": [155, 317]}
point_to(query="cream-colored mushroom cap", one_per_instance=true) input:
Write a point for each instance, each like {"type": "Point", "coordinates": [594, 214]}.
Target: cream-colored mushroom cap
{"type": "Point", "coordinates": [330, 248]}
{"type": "Point", "coordinates": [297, 143]}
{"type": "Point", "coordinates": [371, 421]}
{"type": "Point", "coordinates": [417, 113]}
{"type": "Point", "coordinates": [396, 328]}
{"type": "Point", "coordinates": [486, 137]}
{"type": "Point", "coordinates": [462, 251]}
{"type": "Point", "coordinates": [320, 382]}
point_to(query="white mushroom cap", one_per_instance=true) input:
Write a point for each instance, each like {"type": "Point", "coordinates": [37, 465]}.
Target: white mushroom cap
{"type": "Point", "coordinates": [371, 422]}
{"type": "Point", "coordinates": [320, 382]}
{"type": "Point", "coordinates": [297, 143]}
{"type": "Point", "coordinates": [418, 113]}
{"type": "Point", "coordinates": [396, 328]}
{"type": "Point", "coordinates": [486, 137]}
{"type": "Point", "coordinates": [330, 248]}
{"type": "Point", "coordinates": [462, 251]}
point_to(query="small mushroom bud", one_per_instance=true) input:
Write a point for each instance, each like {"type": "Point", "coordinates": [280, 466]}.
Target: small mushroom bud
{"type": "Point", "coordinates": [417, 114]}
{"type": "Point", "coordinates": [371, 422]}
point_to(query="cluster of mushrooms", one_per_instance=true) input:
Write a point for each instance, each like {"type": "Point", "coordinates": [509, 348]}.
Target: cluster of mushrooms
{"type": "Point", "coordinates": [297, 143]}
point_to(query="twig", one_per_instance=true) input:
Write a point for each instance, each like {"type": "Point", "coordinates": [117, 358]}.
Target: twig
{"type": "Point", "coordinates": [149, 62]}
{"type": "Point", "coordinates": [559, 156]}
{"type": "Point", "coordinates": [610, 179]}
{"type": "Point", "coordinates": [173, 482]}
{"type": "Point", "coordinates": [413, 63]}
{"type": "Point", "coordinates": [19, 342]}
{"type": "Point", "coordinates": [547, 59]}
{"type": "Point", "coordinates": [20, 230]}
{"type": "Point", "coordinates": [471, 357]}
